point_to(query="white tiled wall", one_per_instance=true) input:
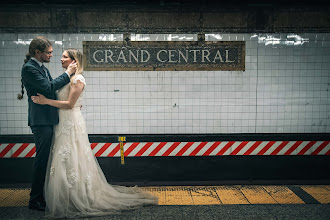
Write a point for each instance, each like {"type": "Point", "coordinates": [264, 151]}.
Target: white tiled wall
{"type": "Point", "coordinates": [285, 88]}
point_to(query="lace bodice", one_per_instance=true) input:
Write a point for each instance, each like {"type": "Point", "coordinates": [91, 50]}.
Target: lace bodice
{"type": "Point", "coordinates": [63, 93]}
{"type": "Point", "coordinates": [69, 118]}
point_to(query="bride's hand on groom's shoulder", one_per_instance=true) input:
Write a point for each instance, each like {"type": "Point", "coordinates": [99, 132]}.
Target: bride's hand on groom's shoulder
{"type": "Point", "coordinates": [39, 99]}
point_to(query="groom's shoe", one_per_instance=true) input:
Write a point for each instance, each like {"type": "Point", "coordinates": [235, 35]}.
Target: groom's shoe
{"type": "Point", "coordinates": [40, 206]}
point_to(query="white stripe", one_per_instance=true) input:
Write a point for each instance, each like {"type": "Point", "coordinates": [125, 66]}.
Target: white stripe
{"type": "Point", "coordinates": [219, 148]}
{"type": "Point", "coordinates": [260, 147]}
{"type": "Point", "coordinates": [272, 148]}
{"type": "Point", "coordinates": [2, 147]}
{"type": "Point", "coordinates": [205, 148]}
{"type": "Point", "coordinates": [188, 151]}
{"type": "Point", "coordinates": [150, 149]}
{"type": "Point", "coordinates": [245, 148]}
{"type": "Point", "coordinates": [316, 145]}
{"type": "Point", "coordinates": [108, 150]}
{"type": "Point", "coordinates": [26, 150]}
{"type": "Point", "coordinates": [232, 148]}
{"type": "Point", "coordinates": [126, 146]}
{"type": "Point", "coordinates": [98, 147]}
{"type": "Point", "coordinates": [300, 147]}
{"type": "Point", "coordinates": [322, 152]}
{"type": "Point", "coordinates": [178, 148]}
{"type": "Point", "coordinates": [137, 149]}
{"type": "Point", "coordinates": [286, 147]}
{"type": "Point", "coordinates": [118, 153]}
{"type": "Point", "coordinates": [13, 150]}
{"type": "Point", "coordinates": [164, 148]}
{"type": "Point", "coordinates": [191, 148]}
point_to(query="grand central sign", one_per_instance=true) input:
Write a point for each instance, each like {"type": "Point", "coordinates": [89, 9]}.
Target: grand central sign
{"type": "Point", "coordinates": [164, 55]}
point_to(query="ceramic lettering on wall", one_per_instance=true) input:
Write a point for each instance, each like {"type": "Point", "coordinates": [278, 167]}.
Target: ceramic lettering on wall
{"type": "Point", "coordinates": [226, 55]}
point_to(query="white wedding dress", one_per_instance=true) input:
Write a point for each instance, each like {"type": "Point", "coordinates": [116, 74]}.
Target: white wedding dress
{"type": "Point", "coordinates": [75, 185]}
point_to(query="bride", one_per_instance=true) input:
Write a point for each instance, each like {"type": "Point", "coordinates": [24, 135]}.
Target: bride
{"type": "Point", "coordinates": [75, 185]}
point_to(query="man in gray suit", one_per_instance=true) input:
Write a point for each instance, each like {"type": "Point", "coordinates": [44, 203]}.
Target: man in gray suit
{"type": "Point", "coordinates": [41, 118]}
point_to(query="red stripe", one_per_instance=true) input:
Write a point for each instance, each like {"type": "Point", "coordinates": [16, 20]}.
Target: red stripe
{"type": "Point", "coordinates": [19, 150]}
{"type": "Point", "coordinates": [252, 148]}
{"type": "Point", "coordinates": [131, 148]}
{"type": "Point", "coordinates": [93, 145]}
{"type": "Point", "coordinates": [5, 151]}
{"type": "Point", "coordinates": [288, 152]}
{"type": "Point", "coordinates": [32, 151]}
{"type": "Point", "coordinates": [157, 149]}
{"type": "Point", "coordinates": [100, 152]}
{"type": "Point", "coordinates": [306, 148]}
{"type": "Point", "coordinates": [266, 148]}
{"type": "Point", "coordinates": [280, 147]}
{"type": "Point", "coordinates": [327, 153]}
{"type": "Point", "coordinates": [144, 149]}
{"type": "Point", "coordinates": [198, 148]}
{"type": "Point", "coordinates": [318, 150]}
{"type": "Point", "coordinates": [184, 149]}
{"type": "Point", "coordinates": [174, 145]}
{"type": "Point", "coordinates": [115, 150]}
{"type": "Point", "coordinates": [239, 148]}
{"type": "Point", "coordinates": [225, 148]}
{"type": "Point", "coordinates": [212, 148]}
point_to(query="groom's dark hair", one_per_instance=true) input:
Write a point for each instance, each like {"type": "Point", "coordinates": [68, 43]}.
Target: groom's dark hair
{"type": "Point", "coordinates": [38, 43]}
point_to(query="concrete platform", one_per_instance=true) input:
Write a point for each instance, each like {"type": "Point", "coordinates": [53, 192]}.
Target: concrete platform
{"type": "Point", "coordinates": [204, 202]}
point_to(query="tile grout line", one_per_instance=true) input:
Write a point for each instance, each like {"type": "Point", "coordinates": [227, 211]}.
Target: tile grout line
{"type": "Point", "coordinates": [242, 194]}
{"type": "Point", "coordinates": [270, 194]}
{"type": "Point", "coordinates": [214, 190]}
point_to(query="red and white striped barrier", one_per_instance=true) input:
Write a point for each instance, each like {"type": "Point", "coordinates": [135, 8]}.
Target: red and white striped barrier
{"type": "Point", "coordinates": [17, 150]}
{"type": "Point", "coordinates": [217, 148]}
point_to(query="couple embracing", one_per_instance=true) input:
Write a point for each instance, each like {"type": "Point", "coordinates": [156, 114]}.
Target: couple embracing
{"type": "Point", "coordinates": [67, 179]}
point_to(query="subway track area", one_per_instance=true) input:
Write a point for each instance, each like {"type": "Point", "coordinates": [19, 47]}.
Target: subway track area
{"type": "Point", "coordinates": [204, 202]}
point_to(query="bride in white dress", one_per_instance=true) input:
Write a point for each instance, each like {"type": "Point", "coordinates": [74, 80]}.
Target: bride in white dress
{"type": "Point", "coordinates": [75, 185]}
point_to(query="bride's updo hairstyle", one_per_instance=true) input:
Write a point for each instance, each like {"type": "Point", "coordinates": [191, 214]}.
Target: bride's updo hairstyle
{"type": "Point", "coordinates": [76, 55]}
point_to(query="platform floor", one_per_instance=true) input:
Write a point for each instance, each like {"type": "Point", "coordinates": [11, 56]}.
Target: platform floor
{"type": "Point", "coordinates": [205, 202]}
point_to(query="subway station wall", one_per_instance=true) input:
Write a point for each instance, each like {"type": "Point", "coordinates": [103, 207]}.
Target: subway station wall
{"type": "Point", "coordinates": [284, 89]}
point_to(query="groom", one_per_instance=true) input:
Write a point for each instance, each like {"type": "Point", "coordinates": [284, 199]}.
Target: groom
{"type": "Point", "coordinates": [41, 118]}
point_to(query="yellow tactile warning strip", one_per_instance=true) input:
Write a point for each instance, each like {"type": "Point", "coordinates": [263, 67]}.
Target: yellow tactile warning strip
{"type": "Point", "coordinates": [14, 197]}
{"type": "Point", "coordinates": [204, 195]}
{"type": "Point", "coordinates": [283, 195]}
{"type": "Point", "coordinates": [230, 195]}
{"type": "Point", "coordinates": [257, 195]}
{"type": "Point", "coordinates": [320, 193]}
{"type": "Point", "coordinates": [217, 195]}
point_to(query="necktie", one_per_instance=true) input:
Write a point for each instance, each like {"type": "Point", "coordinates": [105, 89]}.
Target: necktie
{"type": "Point", "coordinates": [46, 72]}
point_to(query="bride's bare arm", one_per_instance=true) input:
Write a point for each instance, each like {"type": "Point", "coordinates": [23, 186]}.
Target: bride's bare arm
{"type": "Point", "coordinates": [76, 90]}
